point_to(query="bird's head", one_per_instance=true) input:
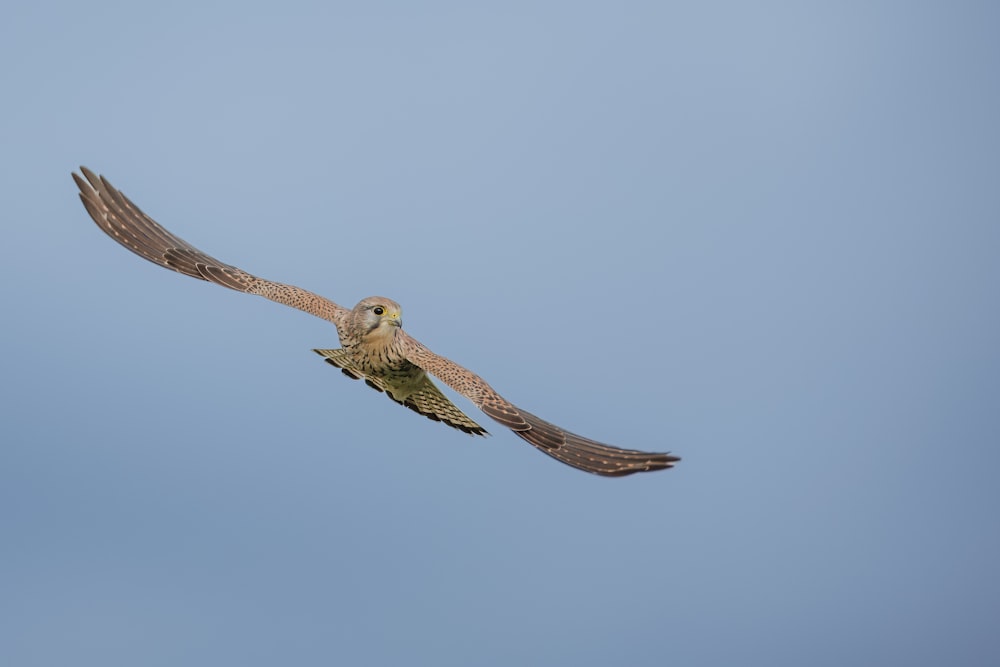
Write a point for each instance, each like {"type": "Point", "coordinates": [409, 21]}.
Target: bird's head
{"type": "Point", "coordinates": [377, 315]}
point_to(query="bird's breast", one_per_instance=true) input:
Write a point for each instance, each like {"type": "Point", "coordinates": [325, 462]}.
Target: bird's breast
{"type": "Point", "coordinates": [380, 358]}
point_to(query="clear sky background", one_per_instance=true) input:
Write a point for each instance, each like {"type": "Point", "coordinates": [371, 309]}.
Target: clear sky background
{"type": "Point", "coordinates": [765, 236]}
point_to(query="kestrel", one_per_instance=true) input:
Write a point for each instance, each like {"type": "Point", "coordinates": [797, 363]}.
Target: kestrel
{"type": "Point", "coordinates": [375, 347]}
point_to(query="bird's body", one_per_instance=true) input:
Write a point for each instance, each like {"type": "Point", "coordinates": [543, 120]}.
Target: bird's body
{"type": "Point", "coordinates": [374, 346]}
{"type": "Point", "coordinates": [375, 350]}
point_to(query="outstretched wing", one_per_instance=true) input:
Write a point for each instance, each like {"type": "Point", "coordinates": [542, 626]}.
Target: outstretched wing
{"type": "Point", "coordinates": [123, 221]}
{"type": "Point", "coordinates": [412, 389]}
{"type": "Point", "coordinates": [571, 449]}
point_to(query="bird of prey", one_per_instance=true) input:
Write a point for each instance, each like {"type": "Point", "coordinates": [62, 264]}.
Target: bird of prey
{"type": "Point", "coordinates": [374, 346]}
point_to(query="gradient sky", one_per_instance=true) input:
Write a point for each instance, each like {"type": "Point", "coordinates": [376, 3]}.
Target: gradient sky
{"type": "Point", "coordinates": [765, 236]}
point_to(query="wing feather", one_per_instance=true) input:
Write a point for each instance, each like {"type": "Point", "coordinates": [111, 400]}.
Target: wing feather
{"type": "Point", "coordinates": [125, 222]}
{"type": "Point", "coordinates": [570, 448]}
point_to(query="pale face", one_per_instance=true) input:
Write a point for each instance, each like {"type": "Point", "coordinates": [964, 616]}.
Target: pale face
{"type": "Point", "coordinates": [377, 315]}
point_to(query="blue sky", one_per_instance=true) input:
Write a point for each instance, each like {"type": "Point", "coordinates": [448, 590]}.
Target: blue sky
{"type": "Point", "coordinates": [765, 236]}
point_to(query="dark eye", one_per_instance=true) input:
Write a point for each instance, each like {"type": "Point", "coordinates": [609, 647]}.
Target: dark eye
{"type": "Point", "coordinates": [378, 310]}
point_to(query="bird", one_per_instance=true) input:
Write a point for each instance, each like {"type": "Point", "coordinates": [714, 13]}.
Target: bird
{"type": "Point", "coordinates": [374, 346]}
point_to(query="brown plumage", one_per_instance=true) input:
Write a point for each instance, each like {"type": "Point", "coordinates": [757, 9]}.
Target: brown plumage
{"type": "Point", "coordinates": [375, 347]}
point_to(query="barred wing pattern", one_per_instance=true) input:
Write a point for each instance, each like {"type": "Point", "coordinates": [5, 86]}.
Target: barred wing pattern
{"type": "Point", "coordinates": [123, 221]}
{"type": "Point", "coordinates": [570, 448]}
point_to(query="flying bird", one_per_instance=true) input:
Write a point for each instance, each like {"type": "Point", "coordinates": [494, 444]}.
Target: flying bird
{"type": "Point", "coordinates": [374, 347]}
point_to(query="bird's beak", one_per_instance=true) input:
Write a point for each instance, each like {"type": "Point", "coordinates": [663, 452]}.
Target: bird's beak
{"type": "Point", "coordinates": [395, 319]}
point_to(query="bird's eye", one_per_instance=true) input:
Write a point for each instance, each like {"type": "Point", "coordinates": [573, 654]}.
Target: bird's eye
{"type": "Point", "coordinates": [378, 310]}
